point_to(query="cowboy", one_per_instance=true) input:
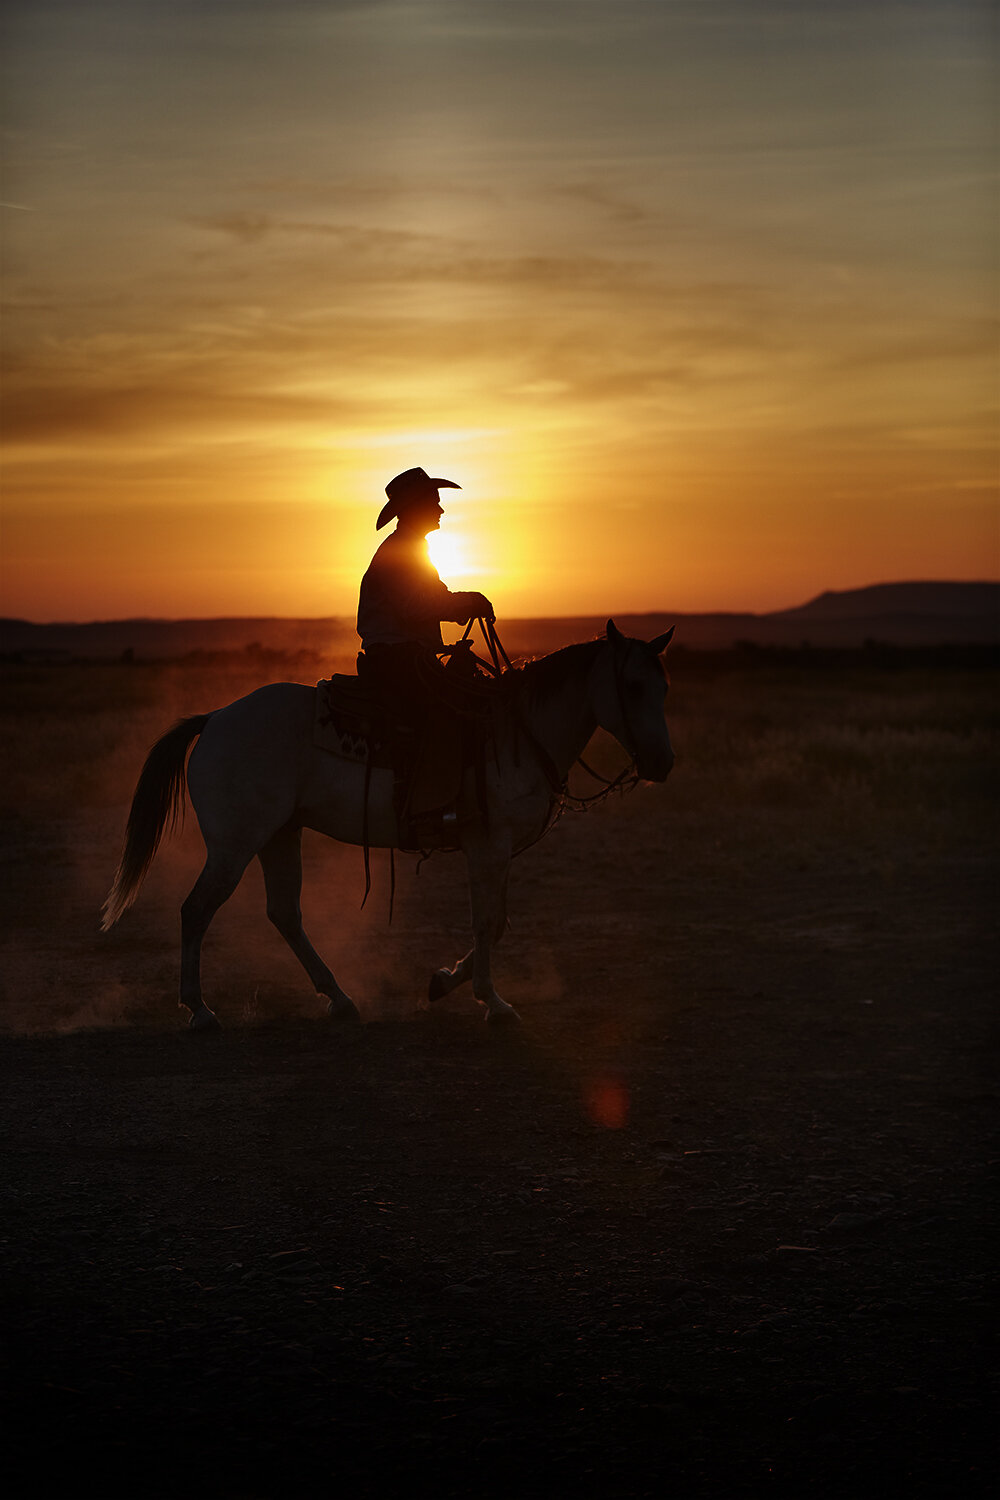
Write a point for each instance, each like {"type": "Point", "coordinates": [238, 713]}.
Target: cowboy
{"type": "Point", "coordinates": [403, 600]}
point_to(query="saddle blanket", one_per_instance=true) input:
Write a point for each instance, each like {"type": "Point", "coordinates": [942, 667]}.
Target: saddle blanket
{"type": "Point", "coordinates": [428, 768]}
{"type": "Point", "coordinates": [351, 723]}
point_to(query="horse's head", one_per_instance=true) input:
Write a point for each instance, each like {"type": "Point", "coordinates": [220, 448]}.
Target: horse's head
{"type": "Point", "coordinates": [629, 691]}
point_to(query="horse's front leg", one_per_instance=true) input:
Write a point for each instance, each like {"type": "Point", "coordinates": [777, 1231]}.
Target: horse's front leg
{"type": "Point", "coordinates": [443, 981]}
{"type": "Point", "coordinates": [489, 864]}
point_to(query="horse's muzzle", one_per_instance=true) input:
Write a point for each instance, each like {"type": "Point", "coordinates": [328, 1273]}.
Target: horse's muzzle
{"type": "Point", "coordinates": [655, 767]}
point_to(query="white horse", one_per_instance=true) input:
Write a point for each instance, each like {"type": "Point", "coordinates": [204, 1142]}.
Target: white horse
{"type": "Point", "coordinates": [256, 779]}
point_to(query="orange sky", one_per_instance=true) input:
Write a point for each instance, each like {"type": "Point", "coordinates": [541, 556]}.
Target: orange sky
{"type": "Point", "coordinates": [697, 301]}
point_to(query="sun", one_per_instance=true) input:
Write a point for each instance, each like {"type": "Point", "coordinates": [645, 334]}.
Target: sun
{"type": "Point", "coordinates": [447, 554]}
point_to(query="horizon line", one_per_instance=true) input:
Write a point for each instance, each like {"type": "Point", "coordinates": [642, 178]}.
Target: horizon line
{"type": "Point", "coordinates": [604, 612]}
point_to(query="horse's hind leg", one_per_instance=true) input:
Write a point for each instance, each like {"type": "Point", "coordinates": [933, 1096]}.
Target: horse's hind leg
{"type": "Point", "coordinates": [281, 861]}
{"type": "Point", "coordinates": [443, 981]}
{"type": "Point", "coordinates": [214, 886]}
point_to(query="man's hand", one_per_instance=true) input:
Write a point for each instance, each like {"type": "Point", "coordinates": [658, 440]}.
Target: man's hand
{"type": "Point", "coordinates": [470, 606]}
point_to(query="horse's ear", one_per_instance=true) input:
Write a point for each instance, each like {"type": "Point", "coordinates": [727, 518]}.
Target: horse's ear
{"type": "Point", "coordinates": [614, 634]}
{"type": "Point", "coordinates": [662, 642]}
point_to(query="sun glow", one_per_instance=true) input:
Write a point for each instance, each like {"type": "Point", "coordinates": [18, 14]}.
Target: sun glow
{"type": "Point", "coordinates": [448, 554]}
{"type": "Point", "coordinates": [685, 369]}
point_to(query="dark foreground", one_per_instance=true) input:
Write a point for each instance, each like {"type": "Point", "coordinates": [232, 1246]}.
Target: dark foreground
{"type": "Point", "coordinates": [713, 1222]}
{"type": "Point", "coordinates": [274, 1262]}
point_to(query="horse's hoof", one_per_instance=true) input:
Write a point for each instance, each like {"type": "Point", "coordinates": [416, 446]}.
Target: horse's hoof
{"type": "Point", "coordinates": [204, 1020]}
{"type": "Point", "coordinates": [437, 989]}
{"type": "Point", "coordinates": [507, 1016]}
{"type": "Point", "coordinates": [344, 1012]}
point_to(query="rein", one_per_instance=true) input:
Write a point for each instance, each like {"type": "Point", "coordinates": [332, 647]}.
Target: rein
{"type": "Point", "coordinates": [493, 641]}
{"type": "Point", "coordinates": [627, 778]}
{"type": "Point", "coordinates": [470, 697]}
{"type": "Point", "coordinates": [562, 797]}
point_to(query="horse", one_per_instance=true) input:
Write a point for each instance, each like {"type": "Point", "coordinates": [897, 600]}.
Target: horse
{"type": "Point", "coordinates": [256, 779]}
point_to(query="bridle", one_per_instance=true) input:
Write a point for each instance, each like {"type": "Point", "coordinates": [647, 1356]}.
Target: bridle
{"type": "Point", "coordinates": [619, 675]}
{"type": "Point", "coordinates": [477, 697]}
{"type": "Point", "coordinates": [562, 797]}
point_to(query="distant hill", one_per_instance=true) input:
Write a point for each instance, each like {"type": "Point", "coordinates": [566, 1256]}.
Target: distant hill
{"type": "Point", "coordinates": [895, 614]}
{"type": "Point", "coordinates": [170, 639]}
{"type": "Point", "coordinates": [932, 600]}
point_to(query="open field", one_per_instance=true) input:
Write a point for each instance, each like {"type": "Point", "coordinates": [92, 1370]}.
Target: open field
{"type": "Point", "coordinates": [712, 1222]}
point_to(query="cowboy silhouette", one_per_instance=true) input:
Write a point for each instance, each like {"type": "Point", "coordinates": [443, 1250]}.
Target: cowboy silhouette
{"type": "Point", "coordinates": [403, 599]}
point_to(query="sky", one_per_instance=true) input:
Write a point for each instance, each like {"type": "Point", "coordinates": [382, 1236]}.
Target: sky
{"type": "Point", "coordinates": [696, 299]}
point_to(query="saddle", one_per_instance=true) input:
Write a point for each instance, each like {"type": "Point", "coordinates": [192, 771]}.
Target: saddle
{"type": "Point", "coordinates": [428, 766]}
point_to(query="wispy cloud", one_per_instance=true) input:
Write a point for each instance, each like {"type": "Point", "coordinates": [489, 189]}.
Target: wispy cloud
{"type": "Point", "coordinates": [739, 243]}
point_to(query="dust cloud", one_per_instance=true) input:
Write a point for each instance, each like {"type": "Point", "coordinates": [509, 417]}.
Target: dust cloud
{"type": "Point", "coordinates": [844, 766]}
{"type": "Point", "coordinates": [74, 741]}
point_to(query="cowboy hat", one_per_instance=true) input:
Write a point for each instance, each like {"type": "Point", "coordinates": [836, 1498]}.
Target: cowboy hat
{"type": "Point", "coordinates": [407, 487]}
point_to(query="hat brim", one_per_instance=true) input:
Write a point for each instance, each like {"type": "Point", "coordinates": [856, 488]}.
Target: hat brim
{"type": "Point", "coordinates": [393, 508]}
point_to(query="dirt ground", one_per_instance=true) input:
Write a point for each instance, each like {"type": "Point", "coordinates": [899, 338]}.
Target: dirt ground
{"type": "Point", "coordinates": [712, 1222]}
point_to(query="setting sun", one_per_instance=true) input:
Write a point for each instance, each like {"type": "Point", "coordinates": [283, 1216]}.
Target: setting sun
{"type": "Point", "coordinates": [448, 554]}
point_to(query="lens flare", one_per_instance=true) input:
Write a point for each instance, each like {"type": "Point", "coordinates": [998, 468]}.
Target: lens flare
{"type": "Point", "coordinates": [606, 1102]}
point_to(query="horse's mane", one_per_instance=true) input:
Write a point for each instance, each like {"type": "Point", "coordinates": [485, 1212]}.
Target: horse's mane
{"type": "Point", "coordinates": [538, 678]}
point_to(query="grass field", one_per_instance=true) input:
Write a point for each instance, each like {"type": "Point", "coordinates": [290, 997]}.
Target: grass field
{"type": "Point", "coordinates": [868, 769]}
{"type": "Point", "coordinates": [713, 1221]}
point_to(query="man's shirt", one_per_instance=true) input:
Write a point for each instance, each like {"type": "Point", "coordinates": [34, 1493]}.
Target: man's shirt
{"type": "Point", "coordinates": [403, 599]}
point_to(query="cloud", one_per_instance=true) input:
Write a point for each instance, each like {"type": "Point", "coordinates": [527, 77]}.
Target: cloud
{"type": "Point", "coordinates": [403, 322]}
{"type": "Point", "coordinates": [613, 206]}
{"type": "Point", "coordinates": [51, 410]}
{"type": "Point", "coordinates": [333, 327]}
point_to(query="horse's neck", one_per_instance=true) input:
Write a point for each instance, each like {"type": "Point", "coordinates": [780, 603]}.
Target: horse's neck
{"type": "Point", "coordinates": [562, 721]}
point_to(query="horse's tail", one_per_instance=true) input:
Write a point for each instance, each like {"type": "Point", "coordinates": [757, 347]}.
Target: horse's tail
{"type": "Point", "coordinates": [159, 796]}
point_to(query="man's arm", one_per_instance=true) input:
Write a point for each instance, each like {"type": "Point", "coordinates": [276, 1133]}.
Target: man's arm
{"type": "Point", "coordinates": [468, 606]}
{"type": "Point", "coordinates": [418, 592]}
